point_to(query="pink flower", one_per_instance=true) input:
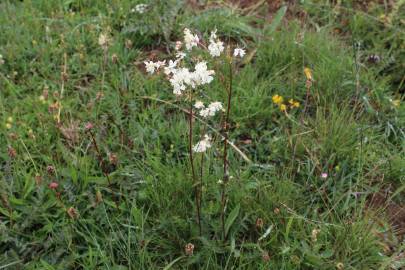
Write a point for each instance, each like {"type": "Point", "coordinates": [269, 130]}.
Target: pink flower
{"type": "Point", "coordinates": [53, 185]}
{"type": "Point", "coordinates": [324, 175]}
{"type": "Point", "coordinates": [88, 126]}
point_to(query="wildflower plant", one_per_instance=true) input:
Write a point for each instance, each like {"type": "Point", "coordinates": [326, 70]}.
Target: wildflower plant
{"type": "Point", "coordinates": [190, 73]}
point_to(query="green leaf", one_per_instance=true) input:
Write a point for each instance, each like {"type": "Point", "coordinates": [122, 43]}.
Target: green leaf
{"type": "Point", "coordinates": [167, 267]}
{"type": "Point", "coordinates": [276, 21]}
{"type": "Point", "coordinates": [231, 219]}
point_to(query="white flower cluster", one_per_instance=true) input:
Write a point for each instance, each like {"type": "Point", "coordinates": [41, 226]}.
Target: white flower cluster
{"type": "Point", "coordinates": [216, 47]}
{"type": "Point", "coordinates": [1, 60]}
{"type": "Point", "coordinates": [140, 8]}
{"type": "Point", "coordinates": [189, 39]}
{"type": "Point", "coordinates": [151, 66]}
{"type": "Point", "coordinates": [210, 110]}
{"type": "Point", "coordinates": [202, 145]}
{"type": "Point", "coordinates": [182, 77]}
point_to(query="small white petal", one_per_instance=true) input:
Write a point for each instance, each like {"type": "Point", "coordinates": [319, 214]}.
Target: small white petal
{"type": "Point", "coordinates": [239, 52]}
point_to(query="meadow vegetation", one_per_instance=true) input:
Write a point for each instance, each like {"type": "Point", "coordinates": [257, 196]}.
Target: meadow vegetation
{"type": "Point", "coordinates": [95, 170]}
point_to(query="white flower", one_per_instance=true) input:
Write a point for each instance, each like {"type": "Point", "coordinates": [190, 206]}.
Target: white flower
{"type": "Point", "coordinates": [202, 75]}
{"type": "Point", "coordinates": [199, 105]}
{"type": "Point", "coordinates": [150, 67]}
{"type": "Point", "coordinates": [171, 67]}
{"type": "Point", "coordinates": [180, 55]}
{"type": "Point", "coordinates": [160, 64]}
{"type": "Point", "coordinates": [141, 8]}
{"type": "Point", "coordinates": [103, 40]}
{"type": "Point", "coordinates": [178, 45]}
{"type": "Point", "coordinates": [211, 110]}
{"type": "Point", "coordinates": [202, 145]}
{"type": "Point", "coordinates": [215, 106]}
{"type": "Point", "coordinates": [190, 39]}
{"type": "Point", "coordinates": [205, 112]}
{"type": "Point", "coordinates": [1, 60]}
{"type": "Point", "coordinates": [181, 77]}
{"type": "Point", "coordinates": [216, 47]}
{"type": "Point", "coordinates": [239, 52]}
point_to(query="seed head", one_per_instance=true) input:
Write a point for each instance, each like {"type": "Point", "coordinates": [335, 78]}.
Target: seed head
{"type": "Point", "coordinates": [50, 169]}
{"type": "Point", "coordinates": [259, 223]}
{"type": "Point", "coordinates": [265, 256]}
{"type": "Point", "coordinates": [12, 153]}
{"type": "Point", "coordinates": [73, 213]}
{"type": "Point", "coordinates": [189, 249]}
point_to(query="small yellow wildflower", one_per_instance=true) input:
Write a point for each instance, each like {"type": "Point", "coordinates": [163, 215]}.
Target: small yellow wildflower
{"type": "Point", "coordinates": [308, 73]}
{"type": "Point", "coordinates": [10, 119]}
{"type": "Point", "coordinates": [277, 99]}
{"type": "Point", "coordinates": [294, 103]}
{"type": "Point", "coordinates": [396, 102]}
{"type": "Point", "coordinates": [8, 125]}
{"type": "Point", "coordinates": [283, 107]}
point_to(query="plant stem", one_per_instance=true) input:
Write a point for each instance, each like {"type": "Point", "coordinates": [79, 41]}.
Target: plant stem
{"type": "Point", "coordinates": [100, 160]}
{"type": "Point", "coordinates": [225, 156]}
{"type": "Point", "coordinates": [201, 172]}
{"type": "Point", "coordinates": [190, 150]}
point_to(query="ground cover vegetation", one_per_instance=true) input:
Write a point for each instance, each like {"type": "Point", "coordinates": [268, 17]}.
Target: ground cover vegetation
{"type": "Point", "coordinates": [202, 134]}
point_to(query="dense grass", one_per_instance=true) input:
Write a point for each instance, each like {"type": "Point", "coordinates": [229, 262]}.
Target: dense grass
{"type": "Point", "coordinates": [352, 130]}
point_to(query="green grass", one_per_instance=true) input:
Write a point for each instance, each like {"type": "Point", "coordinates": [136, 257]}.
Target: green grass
{"type": "Point", "coordinates": [351, 130]}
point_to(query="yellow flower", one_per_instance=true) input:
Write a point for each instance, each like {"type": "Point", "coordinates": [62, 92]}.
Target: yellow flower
{"type": "Point", "coordinates": [308, 73]}
{"type": "Point", "coordinates": [294, 103]}
{"type": "Point", "coordinates": [396, 102]}
{"type": "Point", "coordinates": [277, 99]}
{"type": "Point", "coordinates": [10, 119]}
{"type": "Point", "coordinates": [283, 107]}
{"type": "Point", "coordinates": [8, 125]}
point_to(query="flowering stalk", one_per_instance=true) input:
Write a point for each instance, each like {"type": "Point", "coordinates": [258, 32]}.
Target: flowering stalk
{"type": "Point", "coordinates": [185, 81]}
{"type": "Point", "coordinates": [308, 84]}
{"type": "Point", "coordinates": [64, 78]}
{"type": "Point", "coordinates": [190, 151]}
{"type": "Point", "coordinates": [225, 152]}
{"type": "Point", "coordinates": [201, 172]}
{"type": "Point", "coordinates": [100, 160]}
